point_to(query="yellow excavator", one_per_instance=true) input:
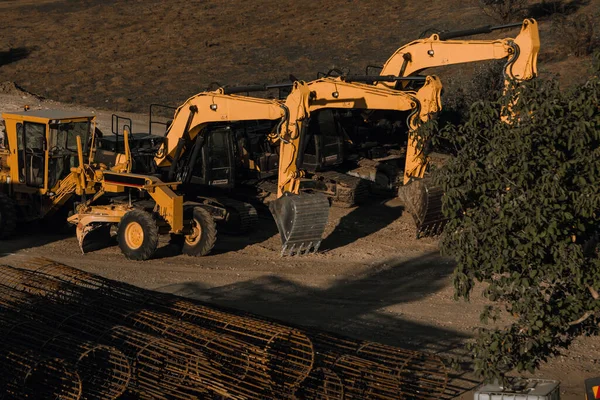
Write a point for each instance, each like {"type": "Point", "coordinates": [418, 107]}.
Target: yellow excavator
{"type": "Point", "coordinates": [440, 50]}
{"type": "Point", "coordinates": [324, 143]}
{"type": "Point", "coordinates": [48, 165]}
{"type": "Point", "coordinates": [422, 199]}
{"type": "Point", "coordinates": [332, 93]}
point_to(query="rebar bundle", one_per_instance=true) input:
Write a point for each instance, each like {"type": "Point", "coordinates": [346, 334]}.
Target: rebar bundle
{"type": "Point", "coordinates": [185, 349]}
{"type": "Point", "coordinates": [289, 352]}
{"type": "Point", "coordinates": [322, 384]}
{"type": "Point", "coordinates": [419, 375]}
{"type": "Point", "coordinates": [160, 368]}
{"type": "Point", "coordinates": [26, 374]}
{"type": "Point", "coordinates": [243, 369]}
{"type": "Point", "coordinates": [104, 371]}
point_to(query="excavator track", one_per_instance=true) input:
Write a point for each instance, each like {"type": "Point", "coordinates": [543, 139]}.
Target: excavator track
{"type": "Point", "coordinates": [349, 190]}
{"type": "Point", "coordinates": [242, 217]}
{"type": "Point", "coordinates": [385, 178]}
{"type": "Point", "coordinates": [424, 201]}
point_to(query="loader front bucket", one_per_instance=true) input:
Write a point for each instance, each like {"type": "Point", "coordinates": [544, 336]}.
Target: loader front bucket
{"type": "Point", "coordinates": [301, 220]}
{"type": "Point", "coordinates": [424, 201]}
{"type": "Point", "coordinates": [93, 237]}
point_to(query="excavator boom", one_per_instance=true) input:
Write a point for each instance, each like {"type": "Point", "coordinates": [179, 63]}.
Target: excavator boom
{"type": "Point", "coordinates": [209, 107]}
{"type": "Point", "coordinates": [423, 199]}
{"type": "Point", "coordinates": [439, 50]}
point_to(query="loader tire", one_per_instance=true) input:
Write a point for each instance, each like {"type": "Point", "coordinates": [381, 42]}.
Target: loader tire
{"type": "Point", "coordinates": [203, 238]}
{"type": "Point", "coordinates": [8, 216]}
{"type": "Point", "coordinates": [138, 235]}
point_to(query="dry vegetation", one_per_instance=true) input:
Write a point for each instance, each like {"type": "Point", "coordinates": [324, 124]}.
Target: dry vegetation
{"type": "Point", "coordinates": [125, 55]}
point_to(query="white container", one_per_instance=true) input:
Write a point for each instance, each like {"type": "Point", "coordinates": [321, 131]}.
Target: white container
{"type": "Point", "coordinates": [522, 389]}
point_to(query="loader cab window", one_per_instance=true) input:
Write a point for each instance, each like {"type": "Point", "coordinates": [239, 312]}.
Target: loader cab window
{"type": "Point", "coordinates": [31, 138]}
{"type": "Point", "coordinates": [63, 148]}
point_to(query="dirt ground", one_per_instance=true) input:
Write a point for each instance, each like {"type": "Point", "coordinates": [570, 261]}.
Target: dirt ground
{"type": "Point", "coordinates": [126, 55]}
{"type": "Point", "coordinates": [373, 279]}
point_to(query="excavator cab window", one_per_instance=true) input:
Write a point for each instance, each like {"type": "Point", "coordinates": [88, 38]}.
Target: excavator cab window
{"type": "Point", "coordinates": [324, 144]}
{"type": "Point", "coordinates": [258, 157]}
{"type": "Point", "coordinates": [62, 152]}
{"type": "Point", "coordinates": [31, 138]}
{"type": "Point", "coordinates": [219, 157]}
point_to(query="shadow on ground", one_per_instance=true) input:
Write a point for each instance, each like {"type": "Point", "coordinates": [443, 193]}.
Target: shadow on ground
{"type": "Point", "coordinates": [549, 8]}
{"type": "Point", "coordinates": [31, 235]}
{"type": "Point", "coordinates": [353, 306]}
{"type": "Point", "coordinates": [15, 54]}
{"type": "Point", "coordinates": [362, 222]}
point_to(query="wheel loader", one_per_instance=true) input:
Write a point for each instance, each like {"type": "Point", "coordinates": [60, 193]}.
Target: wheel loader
{"type": "Point", "coordinates": [48, 165]}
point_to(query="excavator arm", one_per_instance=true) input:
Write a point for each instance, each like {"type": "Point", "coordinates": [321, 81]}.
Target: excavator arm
{"type": "Point", "coordinates": [344, 93]}
{"type": "Point", "coordinates": [440, 49]}
{"type": "Point", "coordinates": [199, 111]}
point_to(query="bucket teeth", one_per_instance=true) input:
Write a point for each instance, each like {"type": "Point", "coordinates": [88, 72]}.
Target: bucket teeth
{"type": "Point", "coordinates": [302, 249]}
{"type": "Point", "coordinates": [301, 220]}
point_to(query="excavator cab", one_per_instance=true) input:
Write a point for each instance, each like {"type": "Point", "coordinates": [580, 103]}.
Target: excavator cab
{"type": "Point", "coordinates": [322, 143]}
{"type": "Point", "coordinates": [215, 165]}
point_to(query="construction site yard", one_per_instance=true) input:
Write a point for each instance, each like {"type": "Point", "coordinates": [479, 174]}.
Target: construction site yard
{"type": "Point", "coordinates": [373, 279]}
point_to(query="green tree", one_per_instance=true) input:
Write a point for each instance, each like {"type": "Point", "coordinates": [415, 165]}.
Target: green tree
{"type": "Point", "coordinates": [523, 201]}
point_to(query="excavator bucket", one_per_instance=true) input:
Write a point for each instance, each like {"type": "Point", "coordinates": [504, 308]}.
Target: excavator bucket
{"type": "Point", "coordinates": [301, 221]}
{"type": "Point", "coordinates": [424, 201]}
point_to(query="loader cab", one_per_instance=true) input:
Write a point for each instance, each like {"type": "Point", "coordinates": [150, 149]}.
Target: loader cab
{"type": "Point", "coordinates": [43, 146]}
{"type": "Point", "coordinates": [322, 141]}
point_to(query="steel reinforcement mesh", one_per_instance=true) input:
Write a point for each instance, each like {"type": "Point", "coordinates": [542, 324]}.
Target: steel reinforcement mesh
{"type": "Point", "coordinates": [180, 348]}
{"type": "Point", "coordinates": [104, 371]}
{"type": "Point", "coordinates": [27, 374]}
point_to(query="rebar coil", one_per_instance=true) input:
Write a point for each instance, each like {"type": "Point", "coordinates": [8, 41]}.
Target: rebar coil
{"type": "Point", "coordinates": [321, 384]}
{"type": "Point", "coordinates": [104, 371]}
{"type": "Point", "coordinates": [342, 368]}
{"type": "Point", "coordinates": [290, 353]}
{"type": "Point", "coordinates": [26, 374]}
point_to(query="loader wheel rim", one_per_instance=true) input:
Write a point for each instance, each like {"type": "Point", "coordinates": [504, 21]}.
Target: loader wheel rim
{"type": "Point", "coordinates": [134, 235]}
{"type": "Point", "coordinates": [194, 237]}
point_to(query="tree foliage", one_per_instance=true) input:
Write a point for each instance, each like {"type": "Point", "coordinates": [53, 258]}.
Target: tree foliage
{"type": "Point", "coordinates": [523, 201]}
